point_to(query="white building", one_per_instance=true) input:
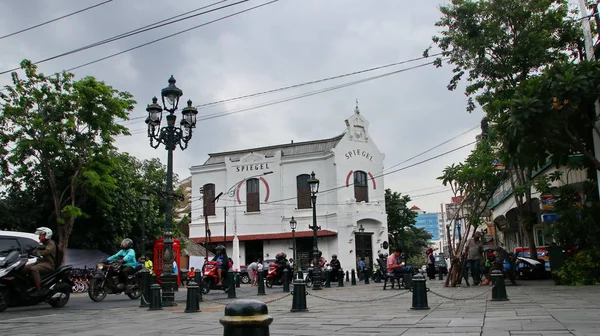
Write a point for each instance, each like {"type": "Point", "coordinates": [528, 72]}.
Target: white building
{"type": "Point", "coordinates": [268, 185]}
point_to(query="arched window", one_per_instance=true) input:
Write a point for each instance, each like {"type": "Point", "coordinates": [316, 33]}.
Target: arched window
{"type": "Point", "coordinates": [208, 197]}
{"type": "Point", "coordinates": [252, 195]}
{"type": "Point", "coordinates": [361, 186]}
{"type": "Point", "coordinates": [303, 190]}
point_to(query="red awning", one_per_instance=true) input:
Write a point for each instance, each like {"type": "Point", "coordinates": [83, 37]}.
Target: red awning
{"type": "Point", "coordinates": [268, 236]}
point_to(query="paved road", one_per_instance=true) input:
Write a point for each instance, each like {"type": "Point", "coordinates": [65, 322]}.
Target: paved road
{"type": "Point", "coordinates": [535, 308]}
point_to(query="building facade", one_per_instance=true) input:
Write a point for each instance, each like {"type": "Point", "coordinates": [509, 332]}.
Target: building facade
{"type": "Point", "coordinates": [263, 188]}
{"type": "Point", "coordinates": [428, 221]}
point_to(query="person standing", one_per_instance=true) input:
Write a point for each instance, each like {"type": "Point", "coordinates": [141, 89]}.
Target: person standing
{"type": "Point", "coordinates": [430, 264]}
{"type": "Point", "coordinates": [474, 249]}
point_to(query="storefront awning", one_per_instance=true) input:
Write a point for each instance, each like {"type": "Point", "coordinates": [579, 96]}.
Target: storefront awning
{"type": "Point", "coordinates": [268, 236]}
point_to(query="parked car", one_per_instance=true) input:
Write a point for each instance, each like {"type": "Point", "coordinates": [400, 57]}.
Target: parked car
{"type": "Point", "coordinates": [244, 276]}
{"type": "Point", "coordinates": [23, 242]}
{"type": "Point", "coordinates": [440, 265]}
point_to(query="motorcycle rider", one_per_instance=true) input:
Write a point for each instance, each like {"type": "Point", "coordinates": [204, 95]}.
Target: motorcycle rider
{"type": "Point", "coordinates": [46, 262]}
{"type": "Point", "coordinates": [222, 263]}
{"type": "Point", "coordinates": [335, 267]}
{"type": "Point", "coordinates": [125, 256]}
{"type": "Point", "coordinates": [281, 261]}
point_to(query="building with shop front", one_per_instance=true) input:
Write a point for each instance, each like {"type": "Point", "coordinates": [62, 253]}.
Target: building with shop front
{"type": "Point", "coordinates": [263, 188]}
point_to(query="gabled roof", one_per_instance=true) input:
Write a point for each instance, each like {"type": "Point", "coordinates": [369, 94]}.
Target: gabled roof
{"type": "Point", "coordinates": [298, 148]}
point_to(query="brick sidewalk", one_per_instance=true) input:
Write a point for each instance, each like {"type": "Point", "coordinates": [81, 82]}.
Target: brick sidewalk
{"type": "Point", "coordinates": [533, 309]}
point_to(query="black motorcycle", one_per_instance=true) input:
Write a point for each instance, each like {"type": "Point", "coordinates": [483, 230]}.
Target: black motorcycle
{"type": "Point", "coordinates": [107, 280]}
{"type": "Point", "coordinates": [15, 286]}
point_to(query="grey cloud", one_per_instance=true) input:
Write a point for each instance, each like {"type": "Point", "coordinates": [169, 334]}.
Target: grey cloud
{"type": "Point", "coordinates": [282, 44]}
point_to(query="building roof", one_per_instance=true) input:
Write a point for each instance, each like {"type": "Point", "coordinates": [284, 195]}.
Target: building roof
{"type": "Point", "coordinates": [414, 207]}
{"type": "Point", "coordinates": [269, 236]}
{"type": "Point", "coordinates": [305, 147]}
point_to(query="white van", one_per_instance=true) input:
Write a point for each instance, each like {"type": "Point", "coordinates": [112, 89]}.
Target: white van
{"type": "Point", "coordinates": [23, 242]}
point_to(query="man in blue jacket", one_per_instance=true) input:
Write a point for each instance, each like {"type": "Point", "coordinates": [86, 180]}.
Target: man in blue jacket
{"type": "Point", "coordinates": [125, 256]}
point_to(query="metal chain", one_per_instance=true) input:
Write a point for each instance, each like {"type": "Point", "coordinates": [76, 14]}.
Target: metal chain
{"type": "Point", "coordinates": [359, 301]}
{"type": "Point", "coordinates": [279, 298]}
{"type": "Point", "coordinates": [458, 299]}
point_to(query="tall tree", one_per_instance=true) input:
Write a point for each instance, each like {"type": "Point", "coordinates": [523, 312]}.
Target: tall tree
{"type": "Point", "coordinates": [497, 45]}
{"type": "Point", "coordinates": [61, 131]}
{"type": "Point", "coordinates": [399, 217]}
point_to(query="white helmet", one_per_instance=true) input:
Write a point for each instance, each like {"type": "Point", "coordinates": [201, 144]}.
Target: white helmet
{"type": "Point", "coordinates": [44, 230]}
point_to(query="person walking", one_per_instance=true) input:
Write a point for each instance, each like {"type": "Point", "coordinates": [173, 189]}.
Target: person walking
{"type": "Point", "coordinates": [474, 250]}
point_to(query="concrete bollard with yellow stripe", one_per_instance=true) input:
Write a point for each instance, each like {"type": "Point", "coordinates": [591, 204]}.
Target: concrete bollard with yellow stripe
{"type": "Point", "coordinates": [246, 317]}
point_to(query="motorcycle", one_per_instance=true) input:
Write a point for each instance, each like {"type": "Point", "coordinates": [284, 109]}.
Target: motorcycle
{"type": "Point", "coordinates": [15, 286]}
{"type": "Point", "coordinates": [107, 280]}
{"type": "Point", "coordinates": [273, 278]}
{"type": "Point", "coordinates": [210, 278]}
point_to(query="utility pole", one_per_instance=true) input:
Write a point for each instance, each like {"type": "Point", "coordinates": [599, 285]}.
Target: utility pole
{"type": "Point", "coordinates": [224, 226]}
{"type": "Point", "coordinates": [589, 53]}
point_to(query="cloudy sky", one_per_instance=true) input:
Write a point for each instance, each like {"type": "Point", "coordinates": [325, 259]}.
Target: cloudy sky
{"type": "Point", "coordinates": [283, 43]}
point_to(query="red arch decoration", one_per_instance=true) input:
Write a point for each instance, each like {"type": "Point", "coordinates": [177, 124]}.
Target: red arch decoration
{"type": "Point", "coordinates": [262, 179]}
{"type": "Point", "coordinates": [373, 179]}
{"type": "Point", "coordinates": [370, 175]}
{"type": "Point", "coordinates": [348, 178]}
{"type": "Point", "coordinates": [268, 189]}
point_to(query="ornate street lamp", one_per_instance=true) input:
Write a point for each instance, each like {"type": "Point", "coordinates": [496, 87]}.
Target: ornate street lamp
{"type": "Point", "coordinates": [293, 225]}
{"type": "Point", "coordinates": [144, 202]}
{"type": "Point", "coordinates": [313, 183]}
{"type": "Point", "coordinates": [170, 136]}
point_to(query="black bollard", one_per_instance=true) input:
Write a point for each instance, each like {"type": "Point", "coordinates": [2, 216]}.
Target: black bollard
{"type": "Point", "coordinates": [286, 281]}
{"type": "Point", "coordinates": [498, 286]}
{"type": "Point", "coordinates": [145, 287]}
{"type": "Point", "coordinates": [299, 296]}
{"type": "Point", "coordinates": [155, 298]}
{"type": "Point", "coordinates": [231, 284]}
{"type": "Point", "coordinates": [154, 279]}
{"type": "Point", "coordinates": [347, 276]}
{"type": "Point", "coordinates": [327, 279]}
{"type": "Point", "coordinates": [191, 304]}
{"type": "Point", "coordinates": [246, 317]}
{"type": "Point", "coordinates": [440, 274]}
{"type": "Point", "coordinates": [237, 279]}
{"type": "Point", "coordinates": [341, 278]}
{"type": "Point", "coordinates": [367, 275]}
{"type": "Point", "coordinates": [261, 284]}
{"type": "Point", "coordinates": [419, 290]}
{"type": "Point", "coordinates": [198, 281]}
{"type": "Point", "coordinates": [300, 275]}
{"type": "Point", "coordinates": [353, 277]}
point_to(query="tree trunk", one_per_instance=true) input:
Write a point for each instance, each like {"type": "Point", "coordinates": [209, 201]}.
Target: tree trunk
{"type": "Point", "coordinates": [64, 232]}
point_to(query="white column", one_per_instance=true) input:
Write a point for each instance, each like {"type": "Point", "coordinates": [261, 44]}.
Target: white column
{"type": "Point", "coordinates": [236, 252]}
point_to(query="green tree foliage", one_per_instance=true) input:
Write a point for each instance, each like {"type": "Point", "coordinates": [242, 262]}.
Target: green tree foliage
{"type": "Point", "coordinates": [497, 45]}
{"type": "Point", "coordinates": [476, 179]}
{"type": "Point", "coordinates": [60, 132]}
{"type": "Point", "coordinates": [553, 113]}
{"type": "Point", "coordinates": [401, 225]}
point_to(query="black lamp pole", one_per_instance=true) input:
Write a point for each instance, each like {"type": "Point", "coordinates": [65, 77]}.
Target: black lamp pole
{"type": "Point", "coordinates": [313, 182]}
{"type": "Point", "coordinates": [293, 225]}
{"type": "Point", "coordinates": [144, 201]}
{"type": "Point", "coordinates": [170, 136]}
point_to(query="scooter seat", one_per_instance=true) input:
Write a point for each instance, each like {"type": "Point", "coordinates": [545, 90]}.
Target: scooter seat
{"type": "Point", "coordinates": [45, 275]}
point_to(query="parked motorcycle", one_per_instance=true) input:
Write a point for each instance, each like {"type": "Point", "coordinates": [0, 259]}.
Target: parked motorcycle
{"type": "Point", "coordinates": [273, 278]}
{"type": "Point", "coordinates": [15, 286]}
{"type": "Point", "coordinates": [210, 278]}
{"type": "Point", "coordinates": [107, 280]}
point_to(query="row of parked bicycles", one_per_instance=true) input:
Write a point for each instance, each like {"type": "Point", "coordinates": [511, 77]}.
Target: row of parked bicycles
{"type": "Point", "coordinates": [81, 278]}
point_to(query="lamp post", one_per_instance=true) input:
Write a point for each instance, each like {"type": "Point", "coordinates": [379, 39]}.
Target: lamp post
{"type": "Point", "coordinates": [293, 225]}
{"type": "Point", "coordinates": [170, 136]}
{"type": "Point", "coordinates": [144, 201]}
{"type": "Point", "coordinates": [313, 182]}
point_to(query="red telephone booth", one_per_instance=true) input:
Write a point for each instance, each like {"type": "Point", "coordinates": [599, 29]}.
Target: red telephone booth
{"type": "Point", "coordinates": [159, 249]}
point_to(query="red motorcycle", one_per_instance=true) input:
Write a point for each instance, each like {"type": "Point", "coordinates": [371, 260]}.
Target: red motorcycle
{"type": "Point", "coordinates": [210, 278]}
{"type": "Point", "coordinates": [273, 278]}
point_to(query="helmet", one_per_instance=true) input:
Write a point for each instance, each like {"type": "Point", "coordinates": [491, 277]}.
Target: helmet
{"type": "Point", "coordinates": [220, 247]}
{"type": "Point", "coordinates": [334, 256]}
{"type": "Point", "coordinates": [380, 256]}
{"type": "Point", "coordinates": [126, 243]}
{"type": "Point", "coordinates": [44, 231]}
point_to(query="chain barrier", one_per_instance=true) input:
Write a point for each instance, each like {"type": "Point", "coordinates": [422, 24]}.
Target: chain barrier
{"type": "Point", "coordinates": [359, 301]}
{"type": "Point", "coordinates": [279, 298]}
{"type": "Point", "coordinates": [458, 299]}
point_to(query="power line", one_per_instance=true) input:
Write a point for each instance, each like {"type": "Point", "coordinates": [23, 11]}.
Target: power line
{"type": "Point", "coordinates": [170, 35]}
{"type": "Point", "coordinates": [56, 19]}
{"type": "Point", "coordinates": [304, 95]}
{"type": "Point", "coordinates": [205, 105]}
{"type": "Point", "coordinates": [137, 31]}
